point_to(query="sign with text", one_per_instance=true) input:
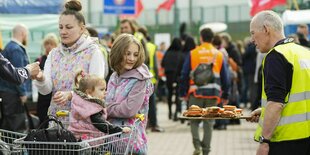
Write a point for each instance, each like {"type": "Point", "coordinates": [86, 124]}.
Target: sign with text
{"type": "Point", "coordinates": [119, 7]}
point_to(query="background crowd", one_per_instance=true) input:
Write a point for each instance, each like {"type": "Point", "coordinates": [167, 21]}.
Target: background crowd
{"type": "Point", "coordinates": [139, 68]}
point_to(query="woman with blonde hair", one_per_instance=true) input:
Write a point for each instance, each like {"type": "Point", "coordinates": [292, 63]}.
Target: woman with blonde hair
{"type": "Point", "coordinates": [50, 41]}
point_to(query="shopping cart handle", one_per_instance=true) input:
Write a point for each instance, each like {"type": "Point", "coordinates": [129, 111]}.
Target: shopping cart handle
{"type": "Point", "coordinates": [62, 113]}
{"type": "Point", "coordinates": [140, 116]}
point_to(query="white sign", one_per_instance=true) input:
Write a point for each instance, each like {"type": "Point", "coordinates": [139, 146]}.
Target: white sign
{"type": "Point", "coordinates": [162, 37]}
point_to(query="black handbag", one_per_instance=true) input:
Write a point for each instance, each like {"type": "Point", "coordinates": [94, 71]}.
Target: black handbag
{"type": "Point", "coordinates": [55, 134]}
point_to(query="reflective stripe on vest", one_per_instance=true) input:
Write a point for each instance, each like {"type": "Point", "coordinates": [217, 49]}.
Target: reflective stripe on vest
{"type": "Point", "coordinates": [295, 116]}
{"type": "Point", "coordinates": [291, 119]}
{"type": "Point", "coordinates": [206, 53]}
{"type": "Point", "coordinates": [293, 98]}
{"type": "Point", "coordinates": [152, 50]}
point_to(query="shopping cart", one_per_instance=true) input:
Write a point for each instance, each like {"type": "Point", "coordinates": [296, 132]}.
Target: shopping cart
{"type": "Point", "coordinates": [6, 141]}
{"type": "Point", "coordinates": [112, 144]}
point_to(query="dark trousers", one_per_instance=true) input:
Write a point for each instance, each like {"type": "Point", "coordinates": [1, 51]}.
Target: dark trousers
{"type": "Point", "coordinates": [298, 147]}
{"type": "Point", "coordinates": [172, 90]}
{"type": "Point", "coordinates": [152, 112]}
{"type": "Point", "coordinates": [161, 90]}
{"type": "Point", "coordinates": [42, 106]}
{"type": "Point", "coordinates": [14, 117]}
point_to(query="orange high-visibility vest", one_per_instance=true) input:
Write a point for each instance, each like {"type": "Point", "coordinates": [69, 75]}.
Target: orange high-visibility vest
{"type": "Point", "coordinates": [206, 53]}
{"type": "Point", "coordinates": [161, 70]}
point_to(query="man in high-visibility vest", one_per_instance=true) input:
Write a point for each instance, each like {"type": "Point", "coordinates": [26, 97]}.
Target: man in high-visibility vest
{"type": "Point", "coordinates": [284, 122]}
{"type": "Point", "coordinates": [208, 94]}
{"type": "Point", "coordinates": [128, 26]}
{"type": "Point", "coordinates": [1, 43]}
{"type": "Point", "coordinates": [152, 64]}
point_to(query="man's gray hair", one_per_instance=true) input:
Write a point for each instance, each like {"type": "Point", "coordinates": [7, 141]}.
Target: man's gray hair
{"type": "Point", "coordinates": [270, 19]}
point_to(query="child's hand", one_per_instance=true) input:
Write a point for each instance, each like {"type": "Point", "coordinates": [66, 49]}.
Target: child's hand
{"type": "Point", "coordinates": [126, 129]}
{"type": "Point", "coordinates": [62, 97]}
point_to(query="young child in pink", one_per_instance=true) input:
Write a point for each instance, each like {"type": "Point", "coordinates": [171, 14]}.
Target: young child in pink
{"type": "Point", "coordinates": [88, 110]}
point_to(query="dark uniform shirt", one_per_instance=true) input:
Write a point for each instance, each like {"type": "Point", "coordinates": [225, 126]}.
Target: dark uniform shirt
{"type": "Point", "coordinates": [278, 73]}
{"type": "Point", "coordinates": [9, 73]}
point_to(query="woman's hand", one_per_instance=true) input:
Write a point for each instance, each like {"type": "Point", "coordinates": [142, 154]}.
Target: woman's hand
{"type": "Point", "coordinates": [62, 97]}
{"type": "Point", "coordinates": [126, 130]}
{"type": "Point", "coordinates": [40, 76]}
{"type": "Point", "coordinates": [255, 115]}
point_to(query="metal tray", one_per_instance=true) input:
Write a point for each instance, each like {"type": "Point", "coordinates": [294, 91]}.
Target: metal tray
{"type": "Point", "coordinates": [206, 118]}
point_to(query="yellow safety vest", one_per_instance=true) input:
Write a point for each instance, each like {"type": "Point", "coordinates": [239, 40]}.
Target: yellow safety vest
{"type": "Point", "coordinates": [1, 44]}
{"type": "Point", "coordinates": [295, 116]}
{"type": "Point", "coordinates": [104, 52]}
{"type": "Point", "coordinates": [139, 36]}
{"type": "Point", "coordinates": [152, 51]}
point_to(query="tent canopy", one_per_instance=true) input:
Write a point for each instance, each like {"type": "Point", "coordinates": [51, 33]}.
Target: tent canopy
{"type": "Point", "coordinates": [47, 22]}
{"type": "Point", "coordinates": [292, 17]}
{"type": "Point", "coordinates": [31, 6]}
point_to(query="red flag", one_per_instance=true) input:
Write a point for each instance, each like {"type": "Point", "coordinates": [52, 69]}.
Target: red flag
{"type": "Point", "coordinates": [138, 9]}
{"type": "Point", "coordinates": [260, 5]}
{"type": "Point", "coordinates": [165, 5]}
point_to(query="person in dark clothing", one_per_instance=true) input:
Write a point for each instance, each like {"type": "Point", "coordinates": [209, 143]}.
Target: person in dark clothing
{"type": "Point", "coordinates": [217, 43]}
{"type": "Point", "coordinates": [14, 96]}
{"type": "Point", "coordinates": [88, 109]}
{"type": "Point", "coordinates": [302, 40]}
{"type": "Point", "coordinates": [236, 79]}
{"type": "Point", "coordinates": [173, 58]}
{"type": "Point", "coordinates": [303, 33]}
{"type": "Point", "coordinates": [189, 45]}
{"type": "Point", "coordinates": [17, 75]}
{"type": "Point", "coordinates": [256, 104]}
{"type": "Point", "coordinates": [50, 41]}
{"type": "Point", "coordinates": [248, 66]}
{"type": "Point", "coordinates": [183, 33]}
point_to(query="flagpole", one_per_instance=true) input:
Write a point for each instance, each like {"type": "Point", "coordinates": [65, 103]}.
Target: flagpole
{"type": "Point", "coordinates": [289, 5]}
{"type": "Point", "coordinates": [190, 12]}
{"type": "Point", "coordinates": [176, 19]}
{"type": "Point", "coordinates": [89, 12]}
{"type": "Point", "coordinates": [296, 4]}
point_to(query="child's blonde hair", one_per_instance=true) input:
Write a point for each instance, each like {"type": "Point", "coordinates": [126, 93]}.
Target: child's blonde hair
{"type": "Point", "coordinates": [85, 81]}
{"type": "Point", "coordinates": [119, 48]}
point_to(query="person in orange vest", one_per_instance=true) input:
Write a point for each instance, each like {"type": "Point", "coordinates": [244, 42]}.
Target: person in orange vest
{"type": "Point", "coordinates": [161, 86]}
{"type": "Point", "coordinates": [206, 95]}
{"type": "Point", "coordinates": [171, 61]}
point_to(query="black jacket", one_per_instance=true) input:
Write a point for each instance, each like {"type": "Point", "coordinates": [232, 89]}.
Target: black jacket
{"type": "Point", "coordinates": [9, 73]}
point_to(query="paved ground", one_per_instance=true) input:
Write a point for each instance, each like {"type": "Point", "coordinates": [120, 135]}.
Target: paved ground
{"type": "Point", "coordinates": [176, 140]}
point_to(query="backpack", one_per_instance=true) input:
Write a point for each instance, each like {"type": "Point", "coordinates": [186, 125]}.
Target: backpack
{"type": "Point", "coordinates": [203, 74]}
